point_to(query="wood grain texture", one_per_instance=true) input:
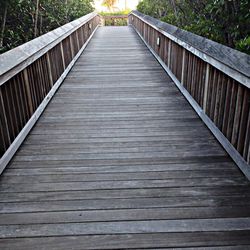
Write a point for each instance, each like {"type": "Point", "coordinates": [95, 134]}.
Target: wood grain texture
{"type": "Point", "coordinates": [119, 160]}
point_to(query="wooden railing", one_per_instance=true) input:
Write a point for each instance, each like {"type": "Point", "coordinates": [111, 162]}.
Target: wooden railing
{"type": "Point", "coordinates": [116, 20]}
{"type": "Point", "coordinates": [214, 78]}
{"type": "Point", "coordinates": [31, 74]}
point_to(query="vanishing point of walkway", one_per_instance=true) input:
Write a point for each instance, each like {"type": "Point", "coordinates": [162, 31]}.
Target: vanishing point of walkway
{"type": "Point", "coordinates": [120, 160]}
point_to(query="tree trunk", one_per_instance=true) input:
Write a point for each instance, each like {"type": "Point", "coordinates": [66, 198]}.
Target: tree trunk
{"type": "Point", "coordinates": [41, 25]}
{"type": "Point", "coordinates": [66, 11]}
{"type": "Point", "coordinates": [229, 8]}
{"type": "Point", "coordinates": [174, 7]}
{"type": "Point", "coordinates": [173, 3]}
{"type": "Point", "coordinates": [3, 24]}
{"type": "Point", "coordinates": [36, 18]}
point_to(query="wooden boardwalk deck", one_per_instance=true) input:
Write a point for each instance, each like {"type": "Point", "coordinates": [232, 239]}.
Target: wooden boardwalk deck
{"type": "Point", "coordinates": [119, 160]}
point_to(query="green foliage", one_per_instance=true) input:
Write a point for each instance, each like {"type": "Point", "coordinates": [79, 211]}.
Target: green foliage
{"type": "Point", "coordinates": [244, 45]}
{"type": "Point", "coordinates": [117, 13]}
{"type": "Point", "coordinates": [20, 19]}
{"type": "Point", "coordinates": [227, 22]}
{"type": "Point", "coordinates": [155, 8]}
{"type": "Point", "coordinates": [116, 22]}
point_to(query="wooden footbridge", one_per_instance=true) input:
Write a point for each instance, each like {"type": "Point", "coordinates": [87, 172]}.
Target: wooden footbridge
{"type": "Point", "coordinates": [145, 144]}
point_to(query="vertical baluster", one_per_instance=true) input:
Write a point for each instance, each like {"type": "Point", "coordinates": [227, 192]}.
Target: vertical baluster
{"type": "Point", "coordinates": [77, 40]}
{"type": "Point", "coordinates": [243, 121]}
{"type": "Point", "coordinates": [169, 52]}
{"type": "Point", "coordinates": [24, 97]}
{"type": "Point", "coordinates": [222, 101]}
{"type": "Point", "coordinates": [12, 107]}
{"type": "Point", "coordinates": [218, 87]}
{"type": "Point", "coordinates": [28, 91]}
{"type": "Point", "coordinates": [206, 88]}
{"type": "Point", "coordinates": [193, 76]}
{"type": "Point", "coordinates": [213, 94]}
{"type": "Point", "coordinates": [232, 111]}
{"type": "Point", "coordinates": [71, 46]}
{"type": "Point", "coordinates": [236, 123]}
{"type": "Point", "coordinates": [63, 56]}
{"type": "Point", "coordinates": [21, 99]}
{"type": "Point", "coordinates": [5, 134]}
{"type": "Point", "coordinates": [183, 65]}
{"type": "Point", "coordinates": [246, 151]}
{"type": "Point", "coordinates": [228, 94]}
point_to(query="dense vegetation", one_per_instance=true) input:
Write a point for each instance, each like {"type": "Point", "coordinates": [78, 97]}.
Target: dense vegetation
{"type": "Point", "coordinates": [224, 21]}
{"type": "Point", "coordinates": [115, 21]}
{"type": "Point", "coordinates": [23, 20]}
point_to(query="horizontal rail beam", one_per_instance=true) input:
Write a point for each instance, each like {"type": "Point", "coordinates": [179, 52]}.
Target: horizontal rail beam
{"type": "Point", "coordinates": [17, 59]}
{"type": "Point", "coordinates": [115, 16]}
{"type": "Point", "coordinates": [114, 20]}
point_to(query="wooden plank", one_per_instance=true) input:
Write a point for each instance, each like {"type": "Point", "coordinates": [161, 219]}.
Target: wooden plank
{"type": "Point", "coordinates": [126, 184]}
{"type": "Point", "coordinates": [107, 228]}
{"type": "Point", "coordinates": [59, 178]}
{"type": "Point", "coordinates": [74, 167]}
{"type": "Point", "coordinates": [131, 241]}
{"type": "Point", "coordinates": [190, 192]}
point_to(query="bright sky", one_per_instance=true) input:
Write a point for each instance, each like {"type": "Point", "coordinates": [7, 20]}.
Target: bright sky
{"type": "Point", "coordinates": [120, 5]}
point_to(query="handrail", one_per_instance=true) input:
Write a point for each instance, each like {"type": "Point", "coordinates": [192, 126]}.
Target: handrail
{"type": "Point", "coordinates": [114, 19]}
{"type": "Point", "coordinates": [215, 80]}
{"type": "Point", "coordinates": [115, 16]}
{"type": "Point", "coordinates": [30, 75]}
{"type": "Point", "coordinates": [15, 60]}
{"type": "Point", "coordinates": [232, 62]}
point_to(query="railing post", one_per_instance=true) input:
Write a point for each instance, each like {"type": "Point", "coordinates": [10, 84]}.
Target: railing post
{"type": "Point", "coordinates": [4, 123]}
{"type": "Point", "coordinates": [77, 40]}
{"type": "Point", "coordinates": [236, 123]}
{"type": "Point", "coordinates": [27, 87]}
{"type": "Point", "coordinates": [206, 88]}
{"type": "Point", "coordinates": [71, 46]}
{"type": "Point", "coordinates": [169, 52]}
{"type": "Point", "coordinates": [63, 57]}
{"type": "Point", "coordinates": [183, 66]}
{"type": "Point", "coordinates": [246, 151]}
{"type": "Point", "coordinates": [49, 67]}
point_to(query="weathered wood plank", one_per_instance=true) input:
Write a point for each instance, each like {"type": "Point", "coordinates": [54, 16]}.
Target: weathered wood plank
{"type": "Point", "coordinates": [134, 227]}
{"type": "Point", "coordinates": [208, 192]}
{"type": "Point", "coordinates": [126, 184]}
{"type": "Point", "coordinates": [131, 241]}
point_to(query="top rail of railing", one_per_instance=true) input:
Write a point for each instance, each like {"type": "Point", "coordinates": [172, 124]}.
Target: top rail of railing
{"type": "Point", "coordinates": [15, 60]}
{"type": "Point", "coordinates": [230, 61]}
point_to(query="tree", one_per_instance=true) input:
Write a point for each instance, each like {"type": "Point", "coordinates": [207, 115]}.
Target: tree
{"type": "Point", "coordinates": [22, 20]}
{"type": "Point", "coordinates": [4, 17]}
{"type": "Point", "coordinates": [109, 4]}
{"type": "Point", "coordinates": [36, 18]}
{"type": "Point", "coordinates": [226, 22]}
